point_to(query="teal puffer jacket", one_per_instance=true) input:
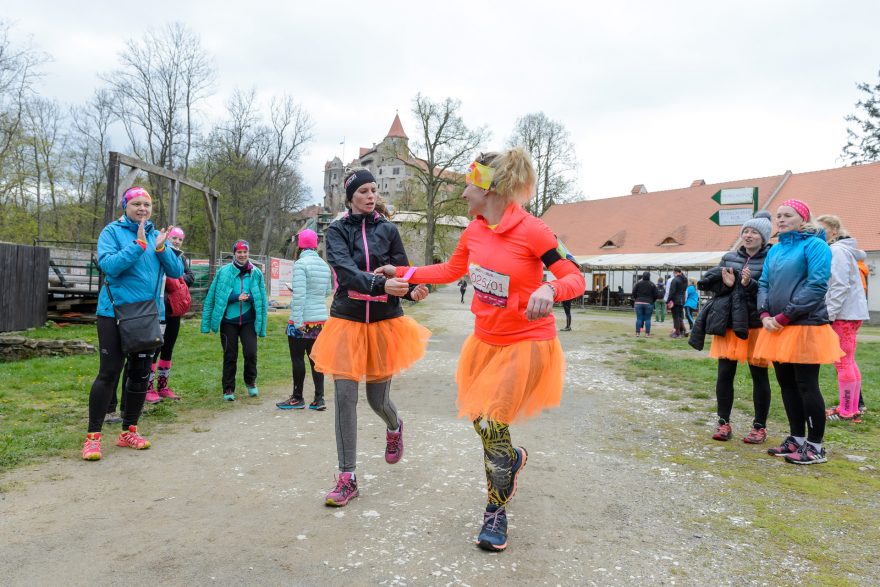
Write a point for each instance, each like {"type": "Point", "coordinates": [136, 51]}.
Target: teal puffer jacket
{"type": "Point", "coordinates": [312, 283]}
{"type": "Point", "coordinates": [218, 295]}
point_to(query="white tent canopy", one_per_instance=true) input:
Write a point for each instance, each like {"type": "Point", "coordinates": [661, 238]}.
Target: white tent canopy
{"type": "Point", "coordinates": [633, 261]}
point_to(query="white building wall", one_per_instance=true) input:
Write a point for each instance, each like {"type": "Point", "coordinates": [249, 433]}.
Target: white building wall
{"type": "Point", "coordinates": [873, 263]}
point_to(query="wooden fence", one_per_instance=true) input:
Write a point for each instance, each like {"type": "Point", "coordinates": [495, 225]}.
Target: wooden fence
{"type": "Point", "coordinates": [25, 290]}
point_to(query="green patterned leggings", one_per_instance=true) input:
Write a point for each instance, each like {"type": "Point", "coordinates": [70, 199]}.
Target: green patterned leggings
{"type": "Point", "coordinates": [498, 458]}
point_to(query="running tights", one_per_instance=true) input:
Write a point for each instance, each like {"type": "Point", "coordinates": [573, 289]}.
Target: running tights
{"type": "Point", "coordinates": [760, 391]}
{"type": "Point", "coordinates": [849, 377]}
{"type": "Point", "coordinates": [379, 398]}
{"type": "Point", "coordinates": [802, 399]}
{"type": "Point", "coordinates": [498, 458]}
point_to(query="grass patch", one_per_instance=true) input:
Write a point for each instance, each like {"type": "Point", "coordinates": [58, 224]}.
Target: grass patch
{"type": "Point", "coordinates": [44, 401]}
{"type": "Point", "coordinates": [816, 513]}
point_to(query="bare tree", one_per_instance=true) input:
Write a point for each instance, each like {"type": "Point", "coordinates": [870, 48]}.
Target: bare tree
{"type": "Point", "coordinates": [90, 139]}
{"type": "Point", "coordinates": [550, 146]}
{"type": "Point", "coordinates": [445, 146]}
{"type": "Point", "coordinates": [863, 143]}
{"type": "Point", "coordinates": [19, 68]}
{"type": "Point", "coordinates": [161, 80]}
{"type": "Point", "coordinates": [291, 127]}
{"type": "Point", "coordinates": [48, 141]}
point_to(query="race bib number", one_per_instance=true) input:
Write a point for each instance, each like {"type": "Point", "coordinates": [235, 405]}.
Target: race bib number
{"type": "Point", "coordinates": [490, 286]}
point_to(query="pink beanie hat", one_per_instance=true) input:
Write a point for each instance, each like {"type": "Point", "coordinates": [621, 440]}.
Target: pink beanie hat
{"type": "Point", "coordinates": [132, 193]}
{"type": "Point", "coordinates": [176, 231]}
{"type": "Point", "coordinates": [307, 239]}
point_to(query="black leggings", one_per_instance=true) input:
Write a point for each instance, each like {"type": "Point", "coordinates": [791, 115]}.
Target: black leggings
{"type": "Point", "coordinates": [803, 401]}
{"type": "Point", "coordinates": [172, 328]}
{"type": "Point", "coordinates": [566, 307]}
{"type": "Point", "coordinates": [104, 386]}
{"type": "Point", "coordinates": [760, 391]}
{"type": "Point", "coordinates": [230, 334]}
{"type": "Point", "coordinates": [678, 318]}
{"type": "Point", "coordinates": [300, 347]}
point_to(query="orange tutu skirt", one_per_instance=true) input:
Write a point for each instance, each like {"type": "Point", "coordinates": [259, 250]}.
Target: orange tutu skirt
{"type": "Point", "coordinates": [509, 383]}
{"type": "Point", "coordinates": [732, 347]}
{"type": "Point", "coordinates": [799, 344]}
{"type": "Point", "coordinates": [353, 350]}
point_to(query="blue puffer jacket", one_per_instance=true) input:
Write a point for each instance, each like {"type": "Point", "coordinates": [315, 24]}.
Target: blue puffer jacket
{"type": "Point", "coordinates": [795, 279]}
{"type": "Point", "coordinates": [134, 274]}
{"type": "Point", "coordinates": [312, 283]}
{"type": "Point", "coordinates": [227, 278]}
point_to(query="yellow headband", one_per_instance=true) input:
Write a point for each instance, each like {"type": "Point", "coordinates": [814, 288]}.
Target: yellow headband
{"type": "Point", "coordinates": [480, 175]}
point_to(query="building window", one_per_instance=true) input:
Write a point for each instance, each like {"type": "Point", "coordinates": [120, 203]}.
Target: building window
{"type": "Point", "coordinates": [395, 171]}
{"type": "Point", "coordinates": [334, 177]}
{"type": "Point", "coordinates": [380, 171]}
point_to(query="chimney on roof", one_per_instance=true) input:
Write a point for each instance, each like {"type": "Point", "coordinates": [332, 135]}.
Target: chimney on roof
{"type": "Point", "coordinates": [639, 189]}
{"type": "Point", "coordinates": [697, 183]}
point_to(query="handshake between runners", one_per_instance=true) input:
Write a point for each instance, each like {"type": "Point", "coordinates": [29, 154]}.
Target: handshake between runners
{"type": "Point", "coordinates": [396, 286]}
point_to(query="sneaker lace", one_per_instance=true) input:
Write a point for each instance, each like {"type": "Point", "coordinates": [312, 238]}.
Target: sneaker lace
{"type": "Point", "coordinates": [343, 485]}
{"type": "Point", "coordinates": [491, 519]}
{"type": "Point", "coordinates": [393, 443]}
{"type": "Point", "coordinates": [92, 444]}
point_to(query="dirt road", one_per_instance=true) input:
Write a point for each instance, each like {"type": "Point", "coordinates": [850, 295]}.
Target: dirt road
{"type": "Point", "coordinates": [238, 499]}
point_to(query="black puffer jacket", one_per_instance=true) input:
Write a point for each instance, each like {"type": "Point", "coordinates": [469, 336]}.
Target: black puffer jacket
{"type": "Point", "coordinates": [347, 241]}
{"type": "Point", "coordinates": [734, 307]}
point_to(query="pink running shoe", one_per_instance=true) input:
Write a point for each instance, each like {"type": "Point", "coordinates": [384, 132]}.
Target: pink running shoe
{"type": "Point", "coordinates": [394, 444]}
{"type": "Point", "coordinates": [92, 447]}
{"type": "Point", "coordinates": [168, 393]}
{"type": "Point", "coordinates": [722, 432]}
{"type": "Point", "coordinates": [346, 489]}
{"type": "Point", "coordinates": [756, 436]}
{"type": "Point", "coordinates": [152, 397]}
{"type": "Point", "coordinates": [132, 439]}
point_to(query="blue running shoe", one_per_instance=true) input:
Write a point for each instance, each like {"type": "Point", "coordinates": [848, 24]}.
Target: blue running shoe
{"type": "Point", "coordinates": [291, 404]}
{"type": "Point", "coordinates": [253, 391]}
{"type": "Point", "coordinates": [228, 396]}
{"type": "Point", "coordinates": [493, 536]}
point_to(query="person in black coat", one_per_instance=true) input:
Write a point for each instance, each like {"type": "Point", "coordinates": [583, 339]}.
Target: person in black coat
{"type": "Point", "coordinates": [677, 292]}
{"type": "Point", "coordinates": [644, 294]}
{"type": "Point", "coordinates": [735, 285]}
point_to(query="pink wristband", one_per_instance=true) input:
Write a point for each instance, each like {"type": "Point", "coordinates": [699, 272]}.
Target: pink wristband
{"type": "Point", "coordinates": [409, 273]}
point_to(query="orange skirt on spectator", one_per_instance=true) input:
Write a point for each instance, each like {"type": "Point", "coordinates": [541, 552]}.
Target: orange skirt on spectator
{"type": "Point", "coordinates": [376, 351]}
{"type": "Point", "coordinates": [799, 344]}
{"type": "Point", "coordinates": [509, 383]}
{"type": "Point", "coordinates": [732, 347]}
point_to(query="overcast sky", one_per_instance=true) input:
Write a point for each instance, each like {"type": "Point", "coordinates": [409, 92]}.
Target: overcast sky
{"type": "Point", "coordinates": [658, 93]}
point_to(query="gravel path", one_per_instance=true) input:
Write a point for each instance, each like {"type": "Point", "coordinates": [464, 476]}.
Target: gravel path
{"type": "Point", "coordinates": [238, 499]}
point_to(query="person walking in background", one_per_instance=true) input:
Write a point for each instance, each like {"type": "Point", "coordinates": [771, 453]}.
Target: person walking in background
{"type": "Point", "coordinates": [312, 283]}
{"type": "Point", "coordinates": [237, 307]}
{"type": "Point", "coordinates": [566, 307]}
{"type": "Point", "coordinates": [177, 303]}
{"type": "Point", "coordinates": [734, 307]}
{"type": "Point", "coordinates": [660, 301]}
{"type": "Point", "coordinates": [133, 257]}
{"type": "Point", "coordinates": [691, 302]}
{"type": "Point", "coordinates": [366, 336]}
{"type": "Point", "coordinates": [675, 302]}
{"type": "Point", "coordinates": [797, 335]}
{"type": "Point", "coordinates": [462, 287]}
{"type": "Point", "coordinates": [644, 294]}
{"type": "Point", "coordinates": [847, 308]}
{"type": "Point", "coordinates": [512, 367]}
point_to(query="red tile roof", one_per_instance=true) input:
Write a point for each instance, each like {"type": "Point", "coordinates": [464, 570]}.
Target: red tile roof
{"type": "Point", "coordinates": [682, 215]}
{"type": "Point", "coordinates": [397, 129]}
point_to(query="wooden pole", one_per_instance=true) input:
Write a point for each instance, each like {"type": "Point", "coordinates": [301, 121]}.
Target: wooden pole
{"type": "Point", "coordinates": [112, 187]}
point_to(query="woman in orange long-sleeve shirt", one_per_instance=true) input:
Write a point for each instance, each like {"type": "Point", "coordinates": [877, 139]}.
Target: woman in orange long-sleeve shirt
{"type": "Point", "coordinates": [512, 366]}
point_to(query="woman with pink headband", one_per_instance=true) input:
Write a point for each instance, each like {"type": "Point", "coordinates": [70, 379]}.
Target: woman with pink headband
{"type": "Point", "coordinates": [158, 388]}
{"type": "Point", "coordinates": [797, 335]}
{"type": "Point", "coordinates": [133, 258]}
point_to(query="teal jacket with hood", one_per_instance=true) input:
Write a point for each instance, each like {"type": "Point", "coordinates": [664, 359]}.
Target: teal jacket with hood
{"type": "Point", "coordinates": [230, 280]}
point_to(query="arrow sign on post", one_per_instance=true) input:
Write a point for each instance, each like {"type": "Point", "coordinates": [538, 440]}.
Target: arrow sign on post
{"type": "Point", "coordinates": [730, 196]}
{"type": "Point", "coordinates": [732, 216]}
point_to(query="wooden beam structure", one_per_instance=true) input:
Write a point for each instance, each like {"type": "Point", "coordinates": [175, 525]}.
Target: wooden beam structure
{"type": "Point", "coordinates": [116, 187]}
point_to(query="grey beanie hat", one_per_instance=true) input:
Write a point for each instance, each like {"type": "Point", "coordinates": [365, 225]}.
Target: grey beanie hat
{"type": "Point", "coordinates": [760, 222]}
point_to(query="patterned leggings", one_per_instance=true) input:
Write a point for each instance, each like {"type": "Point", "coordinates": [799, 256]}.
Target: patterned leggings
{"type": "Point", "coordinates": [498, 458]}
{"type": "Point", "coordinates": [849, 377]}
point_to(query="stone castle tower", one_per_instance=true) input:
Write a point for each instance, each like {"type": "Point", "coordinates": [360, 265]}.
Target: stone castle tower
{"type": "Point", "coordinates": [383, 162]}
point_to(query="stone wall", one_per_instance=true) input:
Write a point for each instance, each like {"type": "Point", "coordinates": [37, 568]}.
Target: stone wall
{"type": "Point", "coordinates": [16, 348]}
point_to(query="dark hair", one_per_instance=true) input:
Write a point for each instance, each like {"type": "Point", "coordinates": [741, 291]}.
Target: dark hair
{"type": "Point", "coordinates": [646, 276]}
{"type": "Point", "coordinates": [676, 270]}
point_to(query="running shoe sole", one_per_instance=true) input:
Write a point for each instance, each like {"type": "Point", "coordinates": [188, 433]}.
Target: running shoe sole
{"type": "Point", "coordinates": [338, 504]}
{"type": "Point", "coordinates": [290, 406]}
{"type": "Point", "coordinates": [318, 408]}
{"type": "Point", "coordinates": [486, 545]}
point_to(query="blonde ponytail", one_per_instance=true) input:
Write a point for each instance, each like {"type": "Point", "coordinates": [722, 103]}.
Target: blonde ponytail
{"type": "Point", "coordinates": [515, 175]}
